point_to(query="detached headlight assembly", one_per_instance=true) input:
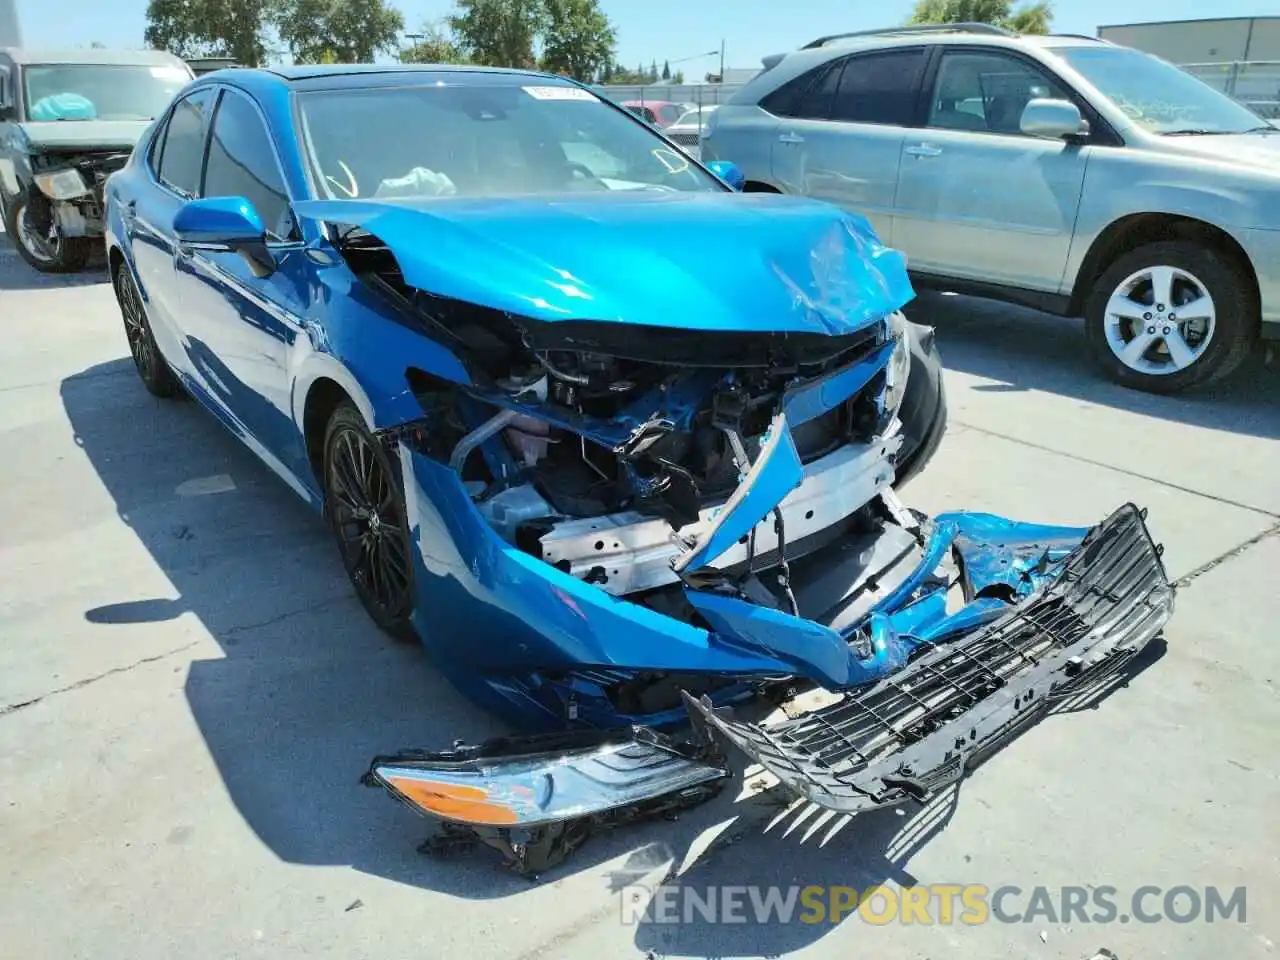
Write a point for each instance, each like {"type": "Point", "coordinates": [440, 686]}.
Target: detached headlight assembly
{"type": "Point", "coordinates": [62, 185]}
{"type": "Point", "coordinates": [899, 364]}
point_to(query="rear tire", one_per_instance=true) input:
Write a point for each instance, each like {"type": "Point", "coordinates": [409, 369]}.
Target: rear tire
{"type": "Point", "coordinates": [153, 369]}
{"type": "Point", "coordinates": [48, 252]}
{"type": "Point", "coordinates": [1140, 340]}
{"type": "Point", "coordinates": [364, 504]}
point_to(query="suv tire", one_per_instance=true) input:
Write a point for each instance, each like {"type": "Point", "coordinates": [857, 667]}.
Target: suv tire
{"type": "Point", "coordinates": [67, 255]}
{"type": "Point", "coordinates": [1140, 340]}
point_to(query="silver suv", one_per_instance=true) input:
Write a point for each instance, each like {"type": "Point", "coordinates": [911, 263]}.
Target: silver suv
{"type": "Point", "coordinates": [1061, 172]}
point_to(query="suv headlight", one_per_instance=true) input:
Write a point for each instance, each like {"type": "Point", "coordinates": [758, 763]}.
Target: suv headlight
{"type": "Point", "coordinates": [62, 185]}
{"type": "Point", "coordinates": [899, 364]}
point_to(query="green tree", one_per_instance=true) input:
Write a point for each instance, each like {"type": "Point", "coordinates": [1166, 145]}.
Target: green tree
{"type": "Point", "coordinates": [499, 33]}
{"type": "Point", "coordinates": [434, 46]}
{"type": "Point", "coordinates": [216, 28]}
{"type": "Point", "coordinates": [1029, 18]}
{"type": "Point", "coordinates": [666, 69]}
{"type": "Point", "coordinates": [338, 31]}
{"type": "Point", "coordinates": [653, 71]}
{"type": "Point", "coordinates": [678, 78]}
{"type": "Point", "coordinates": [577, 38]}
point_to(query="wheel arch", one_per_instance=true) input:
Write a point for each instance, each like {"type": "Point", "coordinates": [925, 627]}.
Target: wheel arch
{"type": "Point", "coordinates": [1135, 230]}
{"type": "Point", "coordinates": [324, 385]}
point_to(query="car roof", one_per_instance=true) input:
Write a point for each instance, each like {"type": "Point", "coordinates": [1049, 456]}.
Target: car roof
{"type": "Point", "coordinates": [91, 55]}
{"type": "Point", "coordinates": [333, 71]}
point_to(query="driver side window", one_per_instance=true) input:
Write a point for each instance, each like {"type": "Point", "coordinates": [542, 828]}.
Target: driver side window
{"type": "Point", "coordinates": [987, 92]}
{"type": "Point", "coordinates": [180, 146]}
{"type": "Point", "coordinates": [242, 163]}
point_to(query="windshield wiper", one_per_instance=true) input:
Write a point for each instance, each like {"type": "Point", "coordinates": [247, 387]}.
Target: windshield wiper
{"type": "Point", "coordinates": [1191, 132]}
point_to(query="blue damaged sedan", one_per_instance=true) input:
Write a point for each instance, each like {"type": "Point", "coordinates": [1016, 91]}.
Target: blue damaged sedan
{"type": "Point", "coordinates": [619, 444]}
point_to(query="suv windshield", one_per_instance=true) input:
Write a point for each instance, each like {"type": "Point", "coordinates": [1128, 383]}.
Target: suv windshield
{"type": "Point", "coordinates": [484, 139]}
{"type": "Point", "coordinates": [1158, 95]}
{"type": "Point", "coordinates": [85, 91]}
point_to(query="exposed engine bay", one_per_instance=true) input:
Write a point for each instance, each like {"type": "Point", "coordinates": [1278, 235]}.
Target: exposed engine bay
{"type": "Point", "coordinates": [67, 190]}
{"type": "Point", "coordinates": [606, 450]}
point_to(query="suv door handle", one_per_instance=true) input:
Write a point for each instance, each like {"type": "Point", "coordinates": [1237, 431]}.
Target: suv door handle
{"type": "Point", "coordinates": [923, 150]}
{"type": "Point", "coordinates": [789, 137]}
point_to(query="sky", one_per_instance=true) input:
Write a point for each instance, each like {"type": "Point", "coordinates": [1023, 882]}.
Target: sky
{"type": "Point", "coordinates": [650, 30]}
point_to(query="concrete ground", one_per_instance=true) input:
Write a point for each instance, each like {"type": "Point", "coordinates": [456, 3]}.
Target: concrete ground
{"type": "Point", "coordinates": [189, 692]}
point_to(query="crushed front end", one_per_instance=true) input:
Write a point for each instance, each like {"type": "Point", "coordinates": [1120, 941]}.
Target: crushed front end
{"type": "Point", "coordinates": [622, 527]}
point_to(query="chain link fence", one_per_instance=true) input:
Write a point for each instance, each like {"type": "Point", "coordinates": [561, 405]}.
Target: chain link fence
{"type": "Point", "coordinates": [695, 94]}
{"type": "Point", "coordinates": [1252, 82]}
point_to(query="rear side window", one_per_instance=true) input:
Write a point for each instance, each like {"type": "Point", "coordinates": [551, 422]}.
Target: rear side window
{"type": "Point", "coordinates": [808, 96]}
{"type": "Point", "coordinates": [242, 163]}
{"type": "Point", "coordinates": [182, 143]}
{"type": "Point", "coordinates": [880, 88]}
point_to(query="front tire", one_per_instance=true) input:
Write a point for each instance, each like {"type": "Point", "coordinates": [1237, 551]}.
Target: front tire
{"type": "Point", "coordinates": [45, 249]}
{"type": "Point", "coordinates": [151, 365]}
{"type": "Point", "coordinates": [1171, 315]}
{"type": "Point", "coordinates": [364, 504]}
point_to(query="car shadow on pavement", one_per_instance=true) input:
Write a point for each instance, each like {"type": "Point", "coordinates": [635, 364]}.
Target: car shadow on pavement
{"type": "Point", "coordinates": [305, 691]}
{"type": "Point", "coordinates": [17, 274]}
{"type": "Point", "coordinates": [1021, 349]}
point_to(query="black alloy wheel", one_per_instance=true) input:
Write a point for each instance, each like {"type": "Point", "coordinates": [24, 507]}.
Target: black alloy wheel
{"type": "Point", "coordinates": [364, 503]}
{"type": "Point", "coordinates": [152, 367]}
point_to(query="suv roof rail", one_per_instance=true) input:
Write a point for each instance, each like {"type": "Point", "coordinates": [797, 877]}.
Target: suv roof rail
{"type": "Point", "coordinates": [1081, 36]}
{"type": "Point", "coordinates": [987, 28]}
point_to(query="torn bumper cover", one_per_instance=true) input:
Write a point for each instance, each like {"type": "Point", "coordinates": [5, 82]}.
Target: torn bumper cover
{"type": "Point", "coordinates": [954, 703]}
{"type": "Point", "coordinates": [955, 687]}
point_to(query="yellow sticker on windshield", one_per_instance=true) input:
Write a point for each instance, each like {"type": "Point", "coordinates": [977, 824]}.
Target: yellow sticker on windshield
{"type": "Point", "coordinates": [559, 93]}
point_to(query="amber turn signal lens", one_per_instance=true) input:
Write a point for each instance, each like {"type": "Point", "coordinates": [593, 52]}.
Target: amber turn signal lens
{"type": "Point", "coordinates": [455, 802]}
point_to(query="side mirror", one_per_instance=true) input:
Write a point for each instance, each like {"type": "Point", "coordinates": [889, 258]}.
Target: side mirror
{"type": "Point", "coordinates": [728, 171]}
{"type": "Point", "coordinates": [1053, 120]}
{"type": "Point", "coordinates": [225, 224]}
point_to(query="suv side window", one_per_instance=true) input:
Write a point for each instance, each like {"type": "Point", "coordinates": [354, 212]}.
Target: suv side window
{"type": "Point", "coordinates": [181, 144]}
{"type": "Point", "coordinates": [242, 163]}
{"type": "Point", "coordinates": [880, 88]}
{"type": "Point", "coordinates": [808, 96]}
{"type": "Point", "coordinates": [987, 91]}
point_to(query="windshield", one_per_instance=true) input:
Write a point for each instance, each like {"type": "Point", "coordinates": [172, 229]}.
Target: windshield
{"type": "Point", "coordinates": [84, 91]}
{"type": "Point", "coordinates": [1156, 94]}
{"type": "Point", "coordinates": [484, 139]}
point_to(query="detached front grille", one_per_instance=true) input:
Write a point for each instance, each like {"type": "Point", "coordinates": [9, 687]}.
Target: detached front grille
{"type": "Point", "coordinates": [917, 731]}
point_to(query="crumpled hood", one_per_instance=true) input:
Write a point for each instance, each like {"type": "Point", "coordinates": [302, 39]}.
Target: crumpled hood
{"type": "Point", "coordinates": [699, 261]}
{"type": "Point", "coordinates": [85, 134]}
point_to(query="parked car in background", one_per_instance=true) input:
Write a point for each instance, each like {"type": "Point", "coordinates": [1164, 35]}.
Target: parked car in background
{"type": "Point", "coordinates": [1062, 172]}
{"type": "Point", "coordinates": [659, 113]}
{"type": "Point", "coordinates": [686, 132]}
{"type": "Point", "coordinates": [68, 120]}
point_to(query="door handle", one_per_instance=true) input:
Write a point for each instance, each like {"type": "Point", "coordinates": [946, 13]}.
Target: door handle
{"type": "Point", "coordinates": [923, 150]}
{"type": "Point", "coordinates": [790, 138]}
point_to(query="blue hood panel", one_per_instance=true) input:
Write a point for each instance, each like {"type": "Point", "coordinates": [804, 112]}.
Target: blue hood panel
{"type": "Point", "coordinates": [697, 261]}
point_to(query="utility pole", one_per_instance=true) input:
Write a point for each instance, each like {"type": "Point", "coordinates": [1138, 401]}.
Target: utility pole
{"type": "Point", "coordinates": [10, 30]}
{"type": "Point", "coordinates": [722, 60]}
